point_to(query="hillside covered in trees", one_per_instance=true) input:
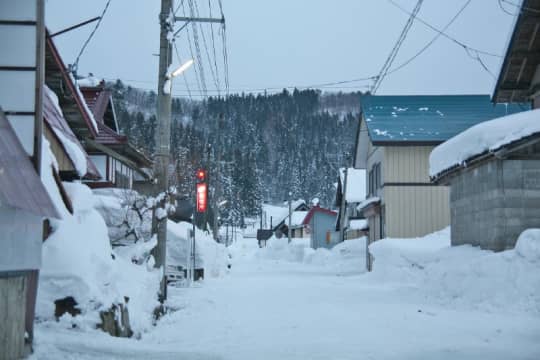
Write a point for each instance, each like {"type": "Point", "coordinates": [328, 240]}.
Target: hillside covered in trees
{"type": "Point", "coordinates": [265, 145]}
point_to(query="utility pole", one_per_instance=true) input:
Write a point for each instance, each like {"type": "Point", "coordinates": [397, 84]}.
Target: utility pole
{"type": "Point", "coordinates": [163, 139]}
{"type": "Point", "coordinates": [343, 207]}
{"type": "Point", "coordinates": [163, 133]}
{"type": "Point", "coordinates": [217, 179]}
{"type": "Point", "coordinates": [290, 216]}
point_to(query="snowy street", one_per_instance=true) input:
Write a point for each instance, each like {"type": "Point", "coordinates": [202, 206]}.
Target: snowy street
{"type": "Point", "coordinates": [274, 309]}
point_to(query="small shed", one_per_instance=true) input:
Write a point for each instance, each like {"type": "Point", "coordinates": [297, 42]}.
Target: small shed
{"type": "Point", "coordinates": [493, 170]}
{"type": "Point", "coordinates": [321, 224]}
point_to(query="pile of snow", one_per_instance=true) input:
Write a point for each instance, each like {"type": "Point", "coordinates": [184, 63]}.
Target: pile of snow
{"type": "Point", "coordinates": [463, 276]}
{"type": "Point", "coordinates": [209, 254]}
{"type": "Point", "coordinates": [280, 249]}
{"type": "Point", "coordinates": [347, 256]}
{"type": "Point", "coordinates": [488, 136]}
{"type": "Point", "coordinates": [78, 262]}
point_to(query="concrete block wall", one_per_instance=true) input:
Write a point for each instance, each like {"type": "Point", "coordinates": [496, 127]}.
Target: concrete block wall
{"type": "Point", "coordinates": [493, 203]}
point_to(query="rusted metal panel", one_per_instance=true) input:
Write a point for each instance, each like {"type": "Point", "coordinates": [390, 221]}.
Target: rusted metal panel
{"type": "Point", "coordinates": [20, 185]}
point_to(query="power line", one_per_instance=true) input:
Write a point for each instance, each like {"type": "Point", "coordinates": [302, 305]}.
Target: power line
{"type": "Point", "coordinates": [197, 47]}
{"type": "Point", "coordinates": [407, 62]}
{"type": "Point", "coordinates": [76, 63]}
{"type": "Point", "coordinates": [215, 75]}
{"type": "Point", "coordinates": [521, 7]}
{"type": "Point", "coordinates": [393, 53]}
{"type": "Point", "coordinates": [460, 43]}
{"type": "Point", "coordinates": [184, 73]}
{"type": "Point", "coordinates": [503, 8]}
{"type": "Point", "coordinates": [213, 40]}
{"type": "Point", "coordinates": [191, 52]}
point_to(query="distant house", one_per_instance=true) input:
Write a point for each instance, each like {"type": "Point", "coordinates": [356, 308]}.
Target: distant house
{"type": "Point", "coordinates": [493, 169]}
{"type": "Point", "coordinates": [321, 224]}
{"type": "Point", "coordinates": [351, 190]}
{"type": "Point", "coordinates": [119, 161]}
{"type": "Point", "coordinates": [273, 216]}
{"type": "Point", "coordinates": [89, 115]}
{"type": "Point", "coordinates": [395, 138]}
{"type": "Point", "coordinates": [298, 228]}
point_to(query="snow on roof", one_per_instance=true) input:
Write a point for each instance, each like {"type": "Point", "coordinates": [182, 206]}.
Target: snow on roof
{"type": "Point", "coordinates": [428, 118]}
{"type": "Point", "coordinates": [356, 184]}
{"type": "Point", "coordinates": [55, 118]}
{"type": "Point", "coordinates": [276, 214]}
{"type": "Point", "coordinates": [297, 218]}
{"type": "Point", "coordinates": [367, 202]}
{"type": "Point", "coordinates": [90, 81]}
{"type": "Point", "coordinates": [488, 136]}
{"type": "Point", "coordinates": [358, 224]}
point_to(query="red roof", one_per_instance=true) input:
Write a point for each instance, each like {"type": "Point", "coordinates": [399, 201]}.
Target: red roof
{"type": "Point", "coordinates": [315, 209]}
{"type": "Point", "coordinates": [97, 98]}
{"type": "Point", "coordinates": [56, 121]}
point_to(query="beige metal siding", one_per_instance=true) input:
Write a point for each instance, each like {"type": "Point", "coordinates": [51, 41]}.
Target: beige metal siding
{"type": "Point", "coordinates": [413, 211]}
{"type": "Point", "coordinates": [406, 164]}
{"type": "Point", "coordinates": [414, 208]}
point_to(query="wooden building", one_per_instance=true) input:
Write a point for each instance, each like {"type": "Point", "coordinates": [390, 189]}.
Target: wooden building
{"type": "Point", "coordinates": [89, 113]}
{"type": "Point", "coordinates": [24, 202]}
{"type": "Point", "coordinates": [395, 138]}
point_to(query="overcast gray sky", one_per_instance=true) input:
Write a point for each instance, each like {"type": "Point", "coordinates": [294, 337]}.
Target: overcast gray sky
{"type": "Point", "coordinates": [282, 43]}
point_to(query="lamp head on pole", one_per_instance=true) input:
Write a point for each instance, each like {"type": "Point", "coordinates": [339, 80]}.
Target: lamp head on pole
{"type": "Point", "coordinates": [182, 68]}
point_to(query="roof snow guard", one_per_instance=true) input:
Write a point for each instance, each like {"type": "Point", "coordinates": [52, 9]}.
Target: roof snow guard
{"type": "Point", "coordinates": [515, 81]}
{"type": "Point", "coordinates": [20, 185]}
{"type": "Point", "coordinates": [427, 119]}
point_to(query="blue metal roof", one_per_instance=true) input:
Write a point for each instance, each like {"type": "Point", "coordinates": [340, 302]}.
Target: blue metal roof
{"type": "Point", "coordinates": [428, 118]}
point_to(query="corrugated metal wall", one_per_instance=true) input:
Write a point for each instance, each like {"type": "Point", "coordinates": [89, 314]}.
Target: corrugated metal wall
{"type": "Point", "coordinates": [414, 207]}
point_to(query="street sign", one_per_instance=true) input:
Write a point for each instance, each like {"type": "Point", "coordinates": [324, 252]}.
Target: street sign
{"type": "Point", "coordinates": [202, 197]}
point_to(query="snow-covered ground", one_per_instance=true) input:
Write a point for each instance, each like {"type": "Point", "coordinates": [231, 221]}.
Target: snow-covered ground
{"type": "Point", "coordinates": [424, 300]}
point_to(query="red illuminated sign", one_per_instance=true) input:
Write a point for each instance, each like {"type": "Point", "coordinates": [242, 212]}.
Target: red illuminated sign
{"type": "Point", "coordinates": [202, 197]}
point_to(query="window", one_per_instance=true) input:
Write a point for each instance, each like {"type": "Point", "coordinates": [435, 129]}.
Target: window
{"type": "Point", "coordinates": [374, 180]}
{"type": "Point", "coordinates": [370, 183]}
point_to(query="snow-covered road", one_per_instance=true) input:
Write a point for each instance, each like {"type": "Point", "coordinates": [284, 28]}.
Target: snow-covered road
{"type": "Point", "coordinates": [268, 309]}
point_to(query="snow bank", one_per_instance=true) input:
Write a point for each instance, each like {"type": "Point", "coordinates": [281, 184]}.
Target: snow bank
{"type": "Point", "coordinates": [348, 256]}
{"type": "Point", "coordinates": [484, 137]}
{"type": "Point", "coordinates": [528, 245]}
{"type": "Point", "coordinates": [78, 261]}
{"type": "Point", "coordinates": [462, 276]}
{"type": "Point", "coordinates": [208, 254]}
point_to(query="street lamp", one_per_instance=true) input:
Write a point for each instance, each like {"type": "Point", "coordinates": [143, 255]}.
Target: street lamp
{"type": "Point", "coordinates": [182, 68]}
{"type": "Point", "coordinates": [167, 87]}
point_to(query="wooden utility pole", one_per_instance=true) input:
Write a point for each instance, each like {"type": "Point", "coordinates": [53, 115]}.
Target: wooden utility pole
{"type": "Point", "coordinates": [163, 140]}
{"type": "Point", "coordinates": [163, 133]}
{"type": "Point", "coordinates": [290, 218]}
